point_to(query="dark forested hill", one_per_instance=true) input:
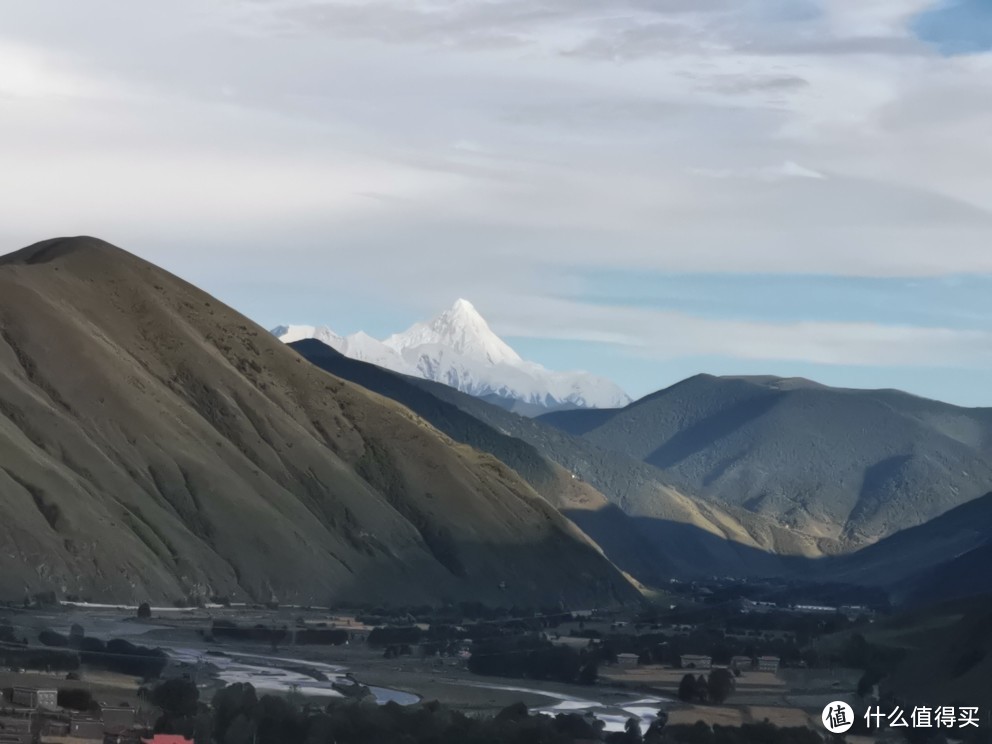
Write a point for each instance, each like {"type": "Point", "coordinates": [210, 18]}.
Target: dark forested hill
{"type": "Point", "coordinates": [945, 558]}
{"type": "Point", "coordinates": [843, 467]}
{"type": "Point", "coordinates": [645, 525]}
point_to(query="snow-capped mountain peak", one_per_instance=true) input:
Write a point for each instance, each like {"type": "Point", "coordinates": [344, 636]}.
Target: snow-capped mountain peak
{"type": "Point", "coordinates": [461, 329]}
{"type": "Point", "coordinates": [290, 333]}
{"type": "Point", "coordinates": [458, 348]}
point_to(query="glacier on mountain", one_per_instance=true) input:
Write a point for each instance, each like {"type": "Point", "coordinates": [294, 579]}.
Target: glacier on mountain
{"type": "Point", "coordinates": [458, 348]}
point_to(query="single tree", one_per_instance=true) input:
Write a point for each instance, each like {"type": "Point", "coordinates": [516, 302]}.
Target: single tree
{"type": "Point", "coordinates": [75, 699]}
{"type": "Point", "coordinates": [702, 689]}
{"type": "Point", "coordinates": [51, 638]}
{"type": "Point", "coordinates": [655, 732]}
{"type": "Point", "coordinates": [867, 682]}
{"type": "Point", "coordinates": [144, 610]}
{"type": "Point", "coordinates": [687, 689]}
{"type": "Point", "coordinates": [241, 731]}
{"type": "Point", "coordinates": [515, 712]}
{"type": "Point", "coordinates": [589, 674]}
{"type": "Point", "coordinates": [720, 685]}
{"type": "Point", "coordinates": [632, 731]}
{"type": "Point", "coordinates": [178, 698]}
{"type": "Point", "coordinates": [76, 635]}
{"type": "Point", "coordinates": [233, 702]}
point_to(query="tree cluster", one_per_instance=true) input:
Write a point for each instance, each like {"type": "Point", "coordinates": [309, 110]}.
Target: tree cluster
{"type": "Point", "coordinates": [534, 658]}
{"type": "Point", "coordinates": [238, 716]}
{"type": "Point", "coordinates": [713, 688]}
{"type": "Point", "coordinates": [389, 636]}
{"type": "Point", "coordinates": [258, 633]}
{"type": "Point", "coordinates": [76, 698]}
{"type": "Point", "coordinates": [322, 636]}
{"type": "Point", "coordinates": [116, 655]}
{"type": "Point", "coordinates": [23, 656]}
{"type": "Point", "coordinates": [7, 635]}
{"type": "Point", "coordinates": [462, 613]}
{"type": "Point", "coordinates": [748, 733]}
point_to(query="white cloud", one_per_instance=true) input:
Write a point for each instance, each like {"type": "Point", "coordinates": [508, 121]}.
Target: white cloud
{"type": "Point", "coordinates": [512, 134]}
{"type": "Point", "coordinates": [874, 17]}
{"type": "Point", "coordinates": [667, 335]}
{"type": "Point", "coordinates": [31, 73]}
{"type": "Point", "coordinates": [788, 169]}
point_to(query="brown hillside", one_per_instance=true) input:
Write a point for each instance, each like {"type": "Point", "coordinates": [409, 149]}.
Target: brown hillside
{"type": "Point", "coordinates": [155, 443]}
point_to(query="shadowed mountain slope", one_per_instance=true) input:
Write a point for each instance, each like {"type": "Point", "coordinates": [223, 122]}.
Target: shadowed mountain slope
{"type": "Point", "coordinates": [156, 444]}
{"type": "Point", "coordinates": [572, 495]}
{"type": "Point", "coordinates": [844, 467]}
{"type": "Point", "coordinates": [947, 655]}
{"type": "Point", "coordinates": [645, 526]}
{"type": "Point", "coordinates": [945, 558]}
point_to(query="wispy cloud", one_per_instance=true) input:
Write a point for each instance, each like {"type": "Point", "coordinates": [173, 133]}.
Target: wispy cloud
{"type": "Point", "coordinates": [447, 149]}
{"type": "Point", "coordinates": [668, 335]}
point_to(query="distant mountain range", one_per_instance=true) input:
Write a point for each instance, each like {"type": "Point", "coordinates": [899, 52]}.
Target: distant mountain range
{"type": "Point", "coordinates": [945, 558]}
{"type": "Point", "coordinates": [155, 444]}
{"type": "Point", "coordinates": [588, 485]}
{"type": "Point", "coordinates": [459, 349]}
{"type": "Point", "coordinates": [656, 523]}
{"type": "Point", "coordinates": [843, 468]}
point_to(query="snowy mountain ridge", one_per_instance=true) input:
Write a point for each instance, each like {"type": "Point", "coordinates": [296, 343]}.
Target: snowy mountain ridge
{"type": "Point", "coordinates": [458, 348]}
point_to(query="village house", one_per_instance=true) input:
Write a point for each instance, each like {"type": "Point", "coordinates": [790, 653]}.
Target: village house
{"type": "Point", "coordinates": [627, 660]}
{"type": "Point", "coordinates": [742, 663]}
{"type": "Point", "coordinates": [768, 663]}
{"type": "Point", "coordinates": [16, 729]}
{"type": "Point", "coordinates": [86, 728]}
{"type": "Point", "coordinates": [117, 718]}
{"type": "Point", "coordinates": [696, 661]}
{"type": "Point", "coordinates": [816, 609]}
{"type": "Point", "coordinates": [855, 611]}
{"type": "Point", "coordinates": [54, 728]}
{"type": "Point", "coordinates": [31, 697]}
{"type": "Point", "coordinates": [748, 605]}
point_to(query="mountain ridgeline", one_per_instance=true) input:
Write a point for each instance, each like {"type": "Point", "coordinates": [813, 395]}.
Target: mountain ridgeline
{"type": "Point", "coordinates": [646, 525]}
{"type": "Point", "coordinates": [155, 444]}
{"type": "Point", "coordinates": [844, 468]}
{"type": "Point", "coordinates": [624, 489]}
{"type": "Point", "coordinates": [945, 558]}
{"type": "Point", "coordinates": [459, 349]}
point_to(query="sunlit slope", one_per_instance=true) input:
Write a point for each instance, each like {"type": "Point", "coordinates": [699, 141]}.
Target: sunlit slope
{"type": "Point", "coordinates": [669, 534]}
{"type": "Point", "coordinates": [155, 443]}
{"type": "Point", "coordinates": [842, 468]}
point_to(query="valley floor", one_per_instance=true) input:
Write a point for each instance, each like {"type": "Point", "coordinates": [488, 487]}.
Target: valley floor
{"type": "Point", "coordinates": [792, 697]}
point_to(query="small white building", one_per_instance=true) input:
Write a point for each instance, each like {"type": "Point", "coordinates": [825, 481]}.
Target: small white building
{"type": "Point", "coordinates": [768, 663]}
{"type": "Point", "coordinates": [696, 661]}
{"type": "Point", "coordinates": [627, 660]}
{"type": "Point", "coordinates": [817, 609]}
{"type": "Point", "coordinates": [31, 697]}
{"type": "Point", "coordinates": [742, 663]}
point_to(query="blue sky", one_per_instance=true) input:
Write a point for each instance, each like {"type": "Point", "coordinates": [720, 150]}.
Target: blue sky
{"type": "Point", "coordinates": [957, 26]}
{"type": "Point", "coordinates": [643, 190]}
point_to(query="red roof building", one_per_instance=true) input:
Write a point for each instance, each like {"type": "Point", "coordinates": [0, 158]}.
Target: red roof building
{"type": "Point", "coordinates": [167, 739]}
